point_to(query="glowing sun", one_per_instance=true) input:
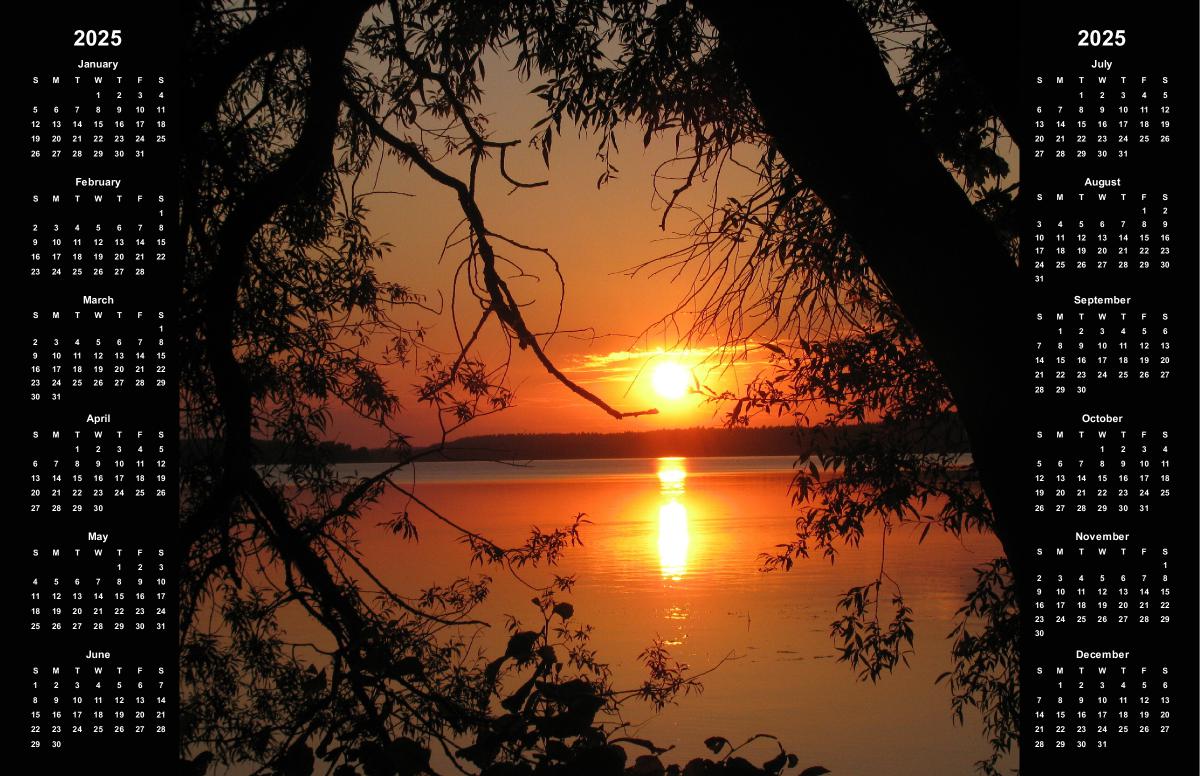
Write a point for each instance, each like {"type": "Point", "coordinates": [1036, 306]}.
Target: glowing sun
{"type": "Point", "coordinates": [671, 381]}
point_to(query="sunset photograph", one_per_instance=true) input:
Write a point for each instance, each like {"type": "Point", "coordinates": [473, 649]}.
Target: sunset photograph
{"type": "Point", "coordinates": [601, 388]}
{"type": "Point", "coordinates": [544, 414]}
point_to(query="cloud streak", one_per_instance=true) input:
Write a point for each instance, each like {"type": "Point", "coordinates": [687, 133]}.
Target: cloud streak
{"type": "Point", "coordinates": [626, 366]}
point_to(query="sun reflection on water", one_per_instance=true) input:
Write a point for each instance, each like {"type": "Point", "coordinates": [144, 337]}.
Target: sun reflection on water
{"type": "Point", "coordinates": [673, 539]}
{"type": "Point", "coordinates": [672, 519]}
{"type": "Point", "coordinates": [671, 475]}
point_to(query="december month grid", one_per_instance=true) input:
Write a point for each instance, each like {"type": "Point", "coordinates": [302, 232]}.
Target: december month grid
{"type": "Point", "coordinates": [96, 670]}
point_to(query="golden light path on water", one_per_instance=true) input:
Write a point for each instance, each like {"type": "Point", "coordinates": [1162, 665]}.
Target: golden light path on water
{"type": "Point", "coordinates": [673, 556]}
{"type": "Point", "coordinates": [673, 537]}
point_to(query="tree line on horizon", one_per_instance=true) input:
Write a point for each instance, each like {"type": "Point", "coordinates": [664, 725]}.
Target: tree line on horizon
{"type": "Point", "coordinates": [693, 442]}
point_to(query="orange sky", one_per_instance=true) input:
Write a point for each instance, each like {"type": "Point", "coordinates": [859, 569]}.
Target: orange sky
{"type": "Point", "coordinates": [596, 233]}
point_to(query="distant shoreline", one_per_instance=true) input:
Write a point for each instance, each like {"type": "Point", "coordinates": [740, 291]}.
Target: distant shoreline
{"type": "Point", "coordinates": [945, 436]}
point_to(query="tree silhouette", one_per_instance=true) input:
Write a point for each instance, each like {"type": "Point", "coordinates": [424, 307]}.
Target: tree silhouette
{"type": "Point", "coordinates": [867, 172]}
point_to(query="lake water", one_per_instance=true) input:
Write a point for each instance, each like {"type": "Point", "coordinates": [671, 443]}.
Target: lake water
{"type": "Point", "coordinates": [673, 550]}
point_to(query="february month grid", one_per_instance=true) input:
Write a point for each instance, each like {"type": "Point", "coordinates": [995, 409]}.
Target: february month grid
{"type": "Point", "coordinates": [92, 229]}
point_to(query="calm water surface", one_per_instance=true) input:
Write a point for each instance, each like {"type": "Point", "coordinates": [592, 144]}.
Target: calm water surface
{"type": "Point", "coordinates": [672, 550]}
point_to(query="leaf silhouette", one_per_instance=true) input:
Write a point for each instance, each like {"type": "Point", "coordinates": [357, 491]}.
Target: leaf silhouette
{"type": "Point", "coordinates": [647, 765]}
{"type": "Point", "coordinates": [298, 761]}
{"type": "Point", "coordinates": [520, 646]}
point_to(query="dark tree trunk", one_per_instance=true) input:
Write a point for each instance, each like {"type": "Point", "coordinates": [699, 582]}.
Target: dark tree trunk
{"type": "Point", "coordinates": [817, 79]}
{"type": "Point", "coordinates": [326, 34]}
